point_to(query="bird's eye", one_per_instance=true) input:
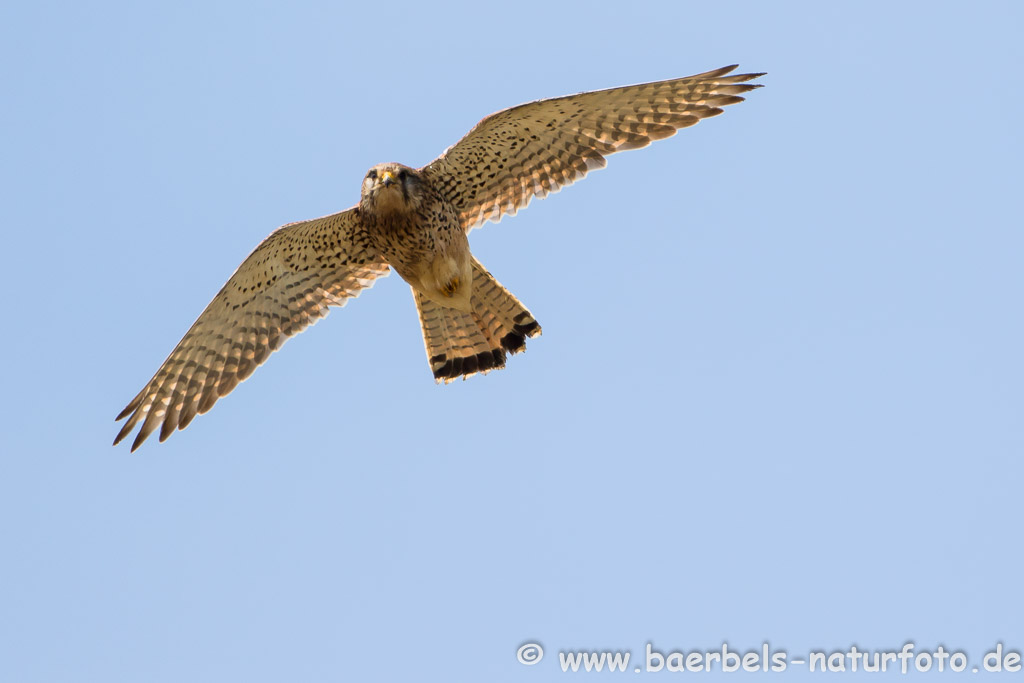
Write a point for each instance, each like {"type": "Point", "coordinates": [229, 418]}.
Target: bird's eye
{"type": "Point", "coordinates": [402, 174]}
{"type": "Point", "coordinates": [372, 175]}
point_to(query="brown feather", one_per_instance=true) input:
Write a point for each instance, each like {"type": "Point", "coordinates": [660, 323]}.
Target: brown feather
{"type": "Point", "coordinates": [537, 148]}
{"type": "Point", "coordinates": [286, 284]}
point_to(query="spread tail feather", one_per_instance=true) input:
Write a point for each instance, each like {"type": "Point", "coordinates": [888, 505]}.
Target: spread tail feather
{"type": "Point", "coordinates": [460, 344]}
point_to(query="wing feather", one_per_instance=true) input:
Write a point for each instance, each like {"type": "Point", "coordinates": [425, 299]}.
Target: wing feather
{"type": "Point", "coordinates": [286, 284]}
{"type": "Point", "coordinates": [537, 148]}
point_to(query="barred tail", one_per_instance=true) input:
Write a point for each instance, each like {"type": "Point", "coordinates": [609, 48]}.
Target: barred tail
{"type": "Point", "coordinates": [461, 344]}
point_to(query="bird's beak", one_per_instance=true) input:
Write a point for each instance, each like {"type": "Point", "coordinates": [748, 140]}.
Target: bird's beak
{"type": "Point", "coordinates": [387, 179]}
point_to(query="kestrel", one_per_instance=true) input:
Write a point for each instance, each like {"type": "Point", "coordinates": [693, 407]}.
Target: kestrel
{"type": "Point", "coordinates": [416, 221]}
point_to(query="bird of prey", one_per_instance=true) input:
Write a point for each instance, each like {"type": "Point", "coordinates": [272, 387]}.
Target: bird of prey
{"type": "Point", "coordinates": [416, 220]}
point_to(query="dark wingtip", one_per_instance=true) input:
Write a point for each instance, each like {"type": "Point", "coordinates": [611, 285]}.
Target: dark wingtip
{"type": "Point", "coordinates": [166, 431]}
{"type": "Point", "coordinates": [138, 440]}
{"type": "Point", "coordinates": [743, 78]}
{"type": "Point", "coordinates": [125, 430]}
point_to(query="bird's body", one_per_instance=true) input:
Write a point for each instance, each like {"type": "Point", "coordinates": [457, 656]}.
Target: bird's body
{"type": "Point", "coordinates": [417, 231]}
{"type": "Point", "coordinates": [416, 221]}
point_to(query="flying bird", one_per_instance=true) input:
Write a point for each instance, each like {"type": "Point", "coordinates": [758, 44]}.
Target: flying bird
{"type": "Point", "coordinates": [415, 221]}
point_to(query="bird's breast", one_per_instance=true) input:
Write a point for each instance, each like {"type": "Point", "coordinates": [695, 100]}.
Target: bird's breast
{"type": "Point", "coordinates": [430, 251]}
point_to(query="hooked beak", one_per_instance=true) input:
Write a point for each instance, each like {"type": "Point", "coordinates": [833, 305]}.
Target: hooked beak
{"type": "Point", "coordinates": [387, 179]}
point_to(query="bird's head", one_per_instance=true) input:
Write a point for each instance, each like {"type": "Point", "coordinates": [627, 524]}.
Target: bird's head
{"type": "Point", "coordinates": [391, 188]}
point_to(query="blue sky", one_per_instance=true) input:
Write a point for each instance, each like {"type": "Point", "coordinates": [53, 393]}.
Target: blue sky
{"type": "Point", "coordinates": [777, 398]}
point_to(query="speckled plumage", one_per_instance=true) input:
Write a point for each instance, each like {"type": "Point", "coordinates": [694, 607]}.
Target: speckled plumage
{"type": "Point", "coordinates": [416, 221]}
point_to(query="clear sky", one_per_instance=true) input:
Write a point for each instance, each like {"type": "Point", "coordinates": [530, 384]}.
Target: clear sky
{"type": "Point", "coordinates": [778, 396]}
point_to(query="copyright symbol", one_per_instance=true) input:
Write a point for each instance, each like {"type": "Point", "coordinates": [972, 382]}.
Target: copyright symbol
{"type": "Point", "coordinates": [530, 653]}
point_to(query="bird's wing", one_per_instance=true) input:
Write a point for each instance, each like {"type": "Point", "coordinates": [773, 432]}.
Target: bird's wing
{"type": "Point", "coordinates": [284, 285]}
{"type": "Point", "coordinates": [537, 148]}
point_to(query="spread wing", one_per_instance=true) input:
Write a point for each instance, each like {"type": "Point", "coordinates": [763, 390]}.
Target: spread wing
{"type": "Point", "coordinates": [537, 148]}
{"type": "Point", "coordinates": [286, 284]}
